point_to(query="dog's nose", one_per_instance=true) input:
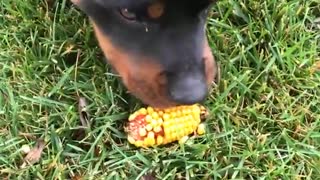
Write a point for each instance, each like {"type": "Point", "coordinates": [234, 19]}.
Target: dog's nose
{"type": "Point", "coordinates": [188, 90]}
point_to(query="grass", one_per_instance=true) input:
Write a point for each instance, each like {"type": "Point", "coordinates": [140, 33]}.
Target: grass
{"type": "Point", "coordinates": [265, 116]}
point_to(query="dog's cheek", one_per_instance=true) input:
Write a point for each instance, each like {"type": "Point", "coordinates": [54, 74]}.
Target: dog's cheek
{"type": "Point", "coordinates": [149, 87]}
{"type": "Point", "coordinates": [210, 66]}
{"type": "Point", "coordinates": [144, 83]}
{"type": "Point", "coordinates": [141, 89]}
{"type": "Point", "coordinates": [210, 72]}
{"type": "Point", "coordinates": [118, 58]}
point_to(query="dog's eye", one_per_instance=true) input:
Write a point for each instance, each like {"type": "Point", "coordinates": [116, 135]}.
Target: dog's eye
{"type": "Point", "coordinates": [128, 15]}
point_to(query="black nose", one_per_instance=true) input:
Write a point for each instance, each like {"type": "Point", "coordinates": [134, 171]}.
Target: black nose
{"type": "Point", "coordinates": [187, 90]}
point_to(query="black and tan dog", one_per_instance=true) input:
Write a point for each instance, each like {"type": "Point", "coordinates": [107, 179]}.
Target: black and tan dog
{"type": "Point", "coordinates": [158, 47]}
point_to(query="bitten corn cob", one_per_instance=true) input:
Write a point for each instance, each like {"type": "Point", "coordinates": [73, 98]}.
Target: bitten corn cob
{"type": "Point", "coordinates": [149, 127]}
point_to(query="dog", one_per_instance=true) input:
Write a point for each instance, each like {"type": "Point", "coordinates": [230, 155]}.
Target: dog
{"type": "Point", "coordinates": [158, 47]}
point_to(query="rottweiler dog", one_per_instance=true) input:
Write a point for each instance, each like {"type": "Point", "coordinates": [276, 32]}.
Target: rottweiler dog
{"type": "Point", "coordinates": [158, 47]}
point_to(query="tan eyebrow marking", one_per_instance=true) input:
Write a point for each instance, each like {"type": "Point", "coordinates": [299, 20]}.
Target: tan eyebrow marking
{"type": "Point", "coordinates": [156, 10]}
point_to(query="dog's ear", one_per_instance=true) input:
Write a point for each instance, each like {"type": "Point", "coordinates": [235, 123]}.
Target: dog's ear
{"type": "Point", "coordinates": [89, 6]}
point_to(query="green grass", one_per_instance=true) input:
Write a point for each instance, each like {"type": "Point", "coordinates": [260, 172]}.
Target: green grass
{"type": "Point", "coordinates": [265, 115]}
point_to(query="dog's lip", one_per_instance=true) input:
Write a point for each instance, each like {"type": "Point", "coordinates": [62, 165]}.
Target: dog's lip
{"type": "Point", "coordinates": [162, 105]}
{"type": "Point", "coordinates": [168, 105]}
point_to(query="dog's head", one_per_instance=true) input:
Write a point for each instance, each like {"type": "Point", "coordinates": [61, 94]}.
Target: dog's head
{"type": "Point", "coordinates": [158, 47]}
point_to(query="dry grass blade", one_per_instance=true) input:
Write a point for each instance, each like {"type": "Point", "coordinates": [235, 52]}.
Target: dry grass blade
{"type": "Point", "coordinates": [35, 154]}
{"type": "Point", "coordinates": [83, 113]}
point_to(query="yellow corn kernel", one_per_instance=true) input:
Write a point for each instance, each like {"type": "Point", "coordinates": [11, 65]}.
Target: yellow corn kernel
{"type": "Point", "coordinates": [159, 140]}
{"type": "Point", "coordinates": [183, 111]}
{"type": "Point", "coordinates": [183, 140]}
{"type": "Point", "coordinates": [155, 115]}
{"type": "Point", "coordinates": [166, 117]}
{"type": "Point", "coordinates": [143, 111]}
{"type": "Point", "coordinates": [152, 142]}
{"type": "Point", "coordinates": [148, 118]}
{"type": "Point", "coordinates": [157, 129]}
{"type": "Point", "coordinates": [169, 130]}
{"type": "Point", "coordinates": [161, 126]}
{"type": "Point", "coordinates": [173, 114]}
{"type": "Point", "coordinates": [150, 110]}
{"type": "Point", "coordinates": [142, 132]}
{"type": "Point", "coordinates": [190, 129]}
{"type": "Point", "coordinates": [201, 129]}
{"type": "Point", "coordinates": [149, 141]}
{"type": "Point", "coordinates": [154, 123]}
{"type": "Point", "coordinates": [149, 127]}
{"type": "Point", "coordinates": [138, 143]}
{"type": "Point", "coordinates": [151, 135]}
{"type": "Point", "coordinates": [179, 113]}
{"type": "Point", "coordinates": [166, 124]}
{"type": "Point", "coordinates": [160, 122]}
{"type": "Point", "coordinates": [131, 140]}
{"type": "Point", "coordinates": [196, 110]}
{"type": "Point", "coordinates": [160, 113]}
{"type": "Point", "coordinates": [168, 138]}
{"type": "Point", "coordinates": [173, 135]}
{"type": "Point", "coordinates": [132, 117]}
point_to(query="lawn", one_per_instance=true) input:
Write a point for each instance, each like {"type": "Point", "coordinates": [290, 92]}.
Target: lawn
{"type": "Point", "coordinates": [264, 118]}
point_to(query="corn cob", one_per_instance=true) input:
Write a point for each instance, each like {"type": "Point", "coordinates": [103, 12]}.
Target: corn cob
{"type": "Point", "coordinates": [151, 127]}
